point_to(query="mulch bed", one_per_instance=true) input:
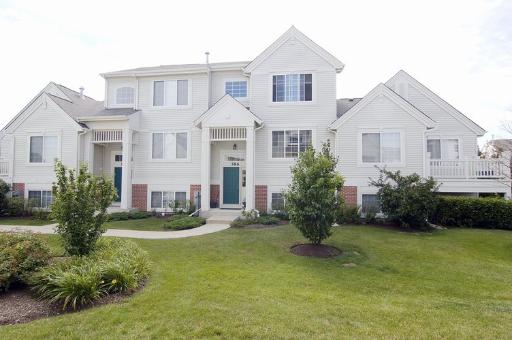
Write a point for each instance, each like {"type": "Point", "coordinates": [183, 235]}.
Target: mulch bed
{"type": "Point", "coordinates": [315, 250]}
{"type": "Point", "coordinates": [18, 305]}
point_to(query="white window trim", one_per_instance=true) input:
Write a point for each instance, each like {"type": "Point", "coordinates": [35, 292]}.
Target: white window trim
{"type": "Point", "coordinates": [227, 80]}
{"type": "Point", "coordinates": [459, 141]}
{"type": "Point", "coordinates": [116, 104]}
{"type": "Point", "coordinates": [174, 107]}
{"type": "Point", "coordinates": [313, 90]}
{"type": "Point", "coordinates": [44, 134]}
{"type": "Point", "coordinates": [177, 160]}
{"type": "Point", "coordinates": [286, 159]}
{"type": "Point", "coordinates": [164, 188]}
{"type": "Point", "coordinates": [403, 149]}
{"type": "Point", "coordinates": [30, 187]}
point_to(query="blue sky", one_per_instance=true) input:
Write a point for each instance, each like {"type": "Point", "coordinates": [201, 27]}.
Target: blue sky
{"type": "Point", "coordinates": [462, 50]}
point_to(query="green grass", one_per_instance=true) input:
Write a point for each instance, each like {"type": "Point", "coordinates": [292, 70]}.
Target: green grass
{"type": "Point", "coordinates": [150, 223]}
{"type": "Point", "coordinates": [23, 221]}
{"type": "Point", "coordinates": [244, 283]}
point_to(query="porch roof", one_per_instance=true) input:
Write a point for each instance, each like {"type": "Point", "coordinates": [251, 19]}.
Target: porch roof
{"type": "Point", "coordinates": [227, 112]}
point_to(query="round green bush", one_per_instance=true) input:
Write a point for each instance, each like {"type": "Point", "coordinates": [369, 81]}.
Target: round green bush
{"type": "Point", "coordinates": [20, 256]}
{"type": "Point", "coordinates": [184, 222]}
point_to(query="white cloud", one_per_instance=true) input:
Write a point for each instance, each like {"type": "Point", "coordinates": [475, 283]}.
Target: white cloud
{"type": "Point", "coordinates": [460, 49]}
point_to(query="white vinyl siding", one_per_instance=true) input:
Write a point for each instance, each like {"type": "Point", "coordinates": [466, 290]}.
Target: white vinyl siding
{"type": "Point", "coordinates": [381, 147]}
{"type": "Point", "coordinates": [170, 146]}
{"type": "Point", "coordinates": [443, 149]}
{"type": "Point", "coordinates": [289, 143]}
{"type": "Point", "coordinates": [43, 149]}
{"type": "Point", "coordinates": [125, 95]}
{"type": "Point", "coordinates": [40, 198]}
{"type": "Point", "coordinates": [164, 199]}
{"type": "Point", "coordinates": [170, 93]}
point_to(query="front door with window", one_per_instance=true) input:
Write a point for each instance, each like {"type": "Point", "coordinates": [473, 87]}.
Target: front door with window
{"type": "Point", "coordinates": [118, 173]}
{"type": "Point", "coordinates": [231, 186]}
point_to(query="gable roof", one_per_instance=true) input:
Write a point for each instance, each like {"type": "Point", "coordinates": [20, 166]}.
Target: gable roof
{"type": "Point", "coordinates": [230, 106]}
{"type": "Point", "coordinates": [293, 32]}
{"type": "Point", "coordinates": [383, 90]}
{"type": "Point", "coordinates": [438, 100]}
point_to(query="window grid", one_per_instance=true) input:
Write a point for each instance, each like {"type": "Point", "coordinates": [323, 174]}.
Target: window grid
{"type": "Point", "coordinates": [125, 95]}
{"type": "Point", "coordinates": [292, 87]}
{"type": "Point", "coordinates": [237, 89]}
{"type": "Point", "coordinates": [289, 143]}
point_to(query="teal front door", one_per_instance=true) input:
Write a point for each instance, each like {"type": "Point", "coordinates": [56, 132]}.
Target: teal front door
{"type": "Point", "coordinates": [231, 185]}
{"type": "Point", "coordinates": [118, 175]}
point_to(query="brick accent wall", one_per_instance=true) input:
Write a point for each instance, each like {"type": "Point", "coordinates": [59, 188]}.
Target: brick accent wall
{"type": "Point", "coordinates": [193, 189]}
{"type": "Point", "coordinates": [140, 196]}
{"type": "Point", "coordinates": [19, 189]}
{"type": "Point", "coordinates": [214, 195]}
{"type": "Point", "coordinates": [350, 195]}
{"type": "Point", "coordinates": [260, 202]}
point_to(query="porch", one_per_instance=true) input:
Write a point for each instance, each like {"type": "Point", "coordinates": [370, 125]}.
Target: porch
{"type": "Point", "coordinates": [484, 169]}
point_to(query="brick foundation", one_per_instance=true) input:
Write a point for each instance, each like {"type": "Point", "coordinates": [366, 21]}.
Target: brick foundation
{"type": "Point", "coordinates": [214, 195]}
{"type": "Point", "coordinates": [140, 196]}
{"type": "Point", "coordinates": [18, 189]}
{"type": "Point", "coordinates": [349, 195]}
{"type": "Point", "coordinates": [260, 202]}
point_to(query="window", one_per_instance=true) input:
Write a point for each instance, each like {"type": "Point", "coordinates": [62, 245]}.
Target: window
{"type": "Point", "coordinates": [125, 95]}
{"type": "Point", "coordinates": [170, 93]}
{"type": "Point", "coordinates": [43, 149]}
{"type": "Point", "coordinates": [164, 199]}
{"type": "Point", "coordinates": [277, 201]}
{"type": "Point", "coordinates": [446, 149]}
{"type": "Point", "coordinates": [370, 201]}
{"type": "Point", "coordinates": [289, 143]}
{"type": "Point", "coordinates": [292, 88]}
{"type": "Point", "coordinates": [237, 89]}
{"type": "Point", "coordinates": [381, 147]}
{"type": "Point", "coordinates": [40, 198]}
{"type": "Point", "coordinates": [170, 146]}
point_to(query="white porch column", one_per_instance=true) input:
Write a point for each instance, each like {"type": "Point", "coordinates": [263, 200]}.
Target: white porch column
{"type": "Point", "coordinates": [126, 183]}
{"type": "Point", "coordinates": [89, 151]}
{"type": "Point", "coordinates": [205, 169]}
{"type": "Point", "coordinates": [249, 169]}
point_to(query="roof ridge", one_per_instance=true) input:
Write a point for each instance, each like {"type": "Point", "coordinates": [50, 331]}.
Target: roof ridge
{"type": "Point", "coordinates": [76, 92]}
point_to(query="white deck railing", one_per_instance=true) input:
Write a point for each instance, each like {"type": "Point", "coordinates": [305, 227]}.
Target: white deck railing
{"type": "Point", "coordinates": [107, 136]}
{"type": "Point", "coordinates": [228, 133]}
{"type": "Point", "coordinates": [467, 169]}
{"type": "Point", "coordinates": [5, 168]}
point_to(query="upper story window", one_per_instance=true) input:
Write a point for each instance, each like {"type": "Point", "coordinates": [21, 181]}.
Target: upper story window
{"type": "Point", "coordinates": [446, 149]}
{"type": "Point", "coordinates": [292, 87]}
{"type": "Point", "coordinates": [43, 149]}
{"type": "Point", "coordinates": [125, 95]}
{"type": "Point", "coordinates": [237, 89]}
{"type": "Point", "coordinates": [169, 146]}
{"type": "Point", "coordinates": [381, 147]}
{"type": "Point", "coordinates": [289, 143]}
{"type": "Point", "coordinates": [170, 93]}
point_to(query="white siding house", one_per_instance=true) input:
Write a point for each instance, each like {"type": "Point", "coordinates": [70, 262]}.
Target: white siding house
{"type": "Point", "coordinates": [230, 131]}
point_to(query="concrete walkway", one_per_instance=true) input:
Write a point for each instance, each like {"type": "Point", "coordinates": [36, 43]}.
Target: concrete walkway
{"type": "Point", "coordinates": [149, 235]}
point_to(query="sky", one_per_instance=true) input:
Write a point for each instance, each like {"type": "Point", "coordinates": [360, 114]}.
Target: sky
{"type": "Point", "coordinates": [462, 50]}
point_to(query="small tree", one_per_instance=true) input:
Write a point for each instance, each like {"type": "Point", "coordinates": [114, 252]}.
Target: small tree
{"type": "Point", "coordinates": [311, 198]}
{"type": "Point", "coordinates": [407, 199]}
{"type": "Point", "coordinates": [80, 207]}
{"type": "Point", "coordinates": [4, 189]}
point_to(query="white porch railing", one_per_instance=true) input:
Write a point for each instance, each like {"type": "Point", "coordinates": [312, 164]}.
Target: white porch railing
{"type": "Point", "coordinates": [5, 168]}
{"type": "Point", "coordinates": [107, 136]}
{"type": "Point", "coordinates": [467, 169]}
{"type": "Point", "coordinates": [228, 133]}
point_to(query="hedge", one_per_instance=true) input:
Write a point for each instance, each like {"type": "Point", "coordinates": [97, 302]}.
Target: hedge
{"type": "Point", "coordinates": [488, 213]}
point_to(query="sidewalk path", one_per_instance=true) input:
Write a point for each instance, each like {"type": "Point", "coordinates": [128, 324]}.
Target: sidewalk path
{"type": "Point", "coordinates": [149, 235]}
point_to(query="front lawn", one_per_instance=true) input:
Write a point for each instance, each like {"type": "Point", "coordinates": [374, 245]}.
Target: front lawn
{"type": "Point", "coordinates": [149, 224]}
{"type": "Point", "coordinates": [244, 283]}
{"type": "Point", "coordinates": [23, 221]}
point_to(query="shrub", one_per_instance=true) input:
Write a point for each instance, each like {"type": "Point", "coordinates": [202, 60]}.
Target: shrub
{"type": "Point", "coordinates": [267, 220]}
{"type": "Point", "coordinates": [114, 266]}
{"type": "Point", "coordinates": [16, 207]}
{"type": "Point", "coordinates": [490, 213]}
{"type": "Point", "coordinates": [123, 216]}
{"type": "Point", "coordinates": [80, 207]}
{"type": "Point", "coordinates": [20, 256]}
{"type": "Point", "coordinates": [349, 214]}
{"type": "Point", "coordinates": [410, 199]}
{"type": "Point", "coordinates": [370, 216]}
{"type": "Point", "coordinates": [184, 222]}
{"type": "Point", "coordinates": [4, 189]}
{"type": "Point", "coordinates": [311, 199]}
